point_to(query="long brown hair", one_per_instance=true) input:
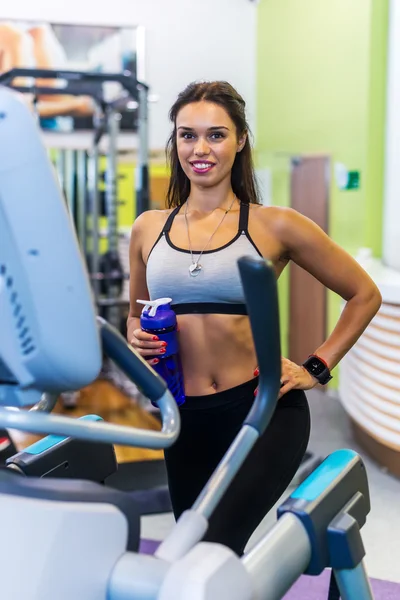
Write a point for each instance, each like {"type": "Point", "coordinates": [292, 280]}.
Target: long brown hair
{"type": "Point", "coordinates": [243, 179]}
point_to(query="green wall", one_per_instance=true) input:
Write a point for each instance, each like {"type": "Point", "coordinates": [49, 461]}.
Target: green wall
{"type": "Point", "coordinates": [321, 89]}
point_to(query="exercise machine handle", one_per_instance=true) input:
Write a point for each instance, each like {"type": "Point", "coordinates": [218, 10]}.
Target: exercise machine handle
{"type": "Point", "coordinates": [260, 291]}
{"type": "Point", "coordinates": [40, 422]}
{"type": "Point", "coordinates": [259, 284]}
{"type": "Point", "coordinates": [138, 370]}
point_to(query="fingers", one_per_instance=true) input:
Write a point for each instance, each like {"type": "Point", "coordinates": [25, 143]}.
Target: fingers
{"type": "Point", "coordinates": [150, 351]}
{"type": "Point", "coordinates": [288, 377]}
{"type": "Point", "coordinates": [293, 377]}
{"type": "Point", "coordinates": [153, 361]}
{"type": "Point", "coordinates": [146, 340]}
{"type": "Point", "coordinates": [153, 352]}
{"type": "Point", "coordinates": [147, 344]}
{"type": "Point", "coordinates": [285, 388]}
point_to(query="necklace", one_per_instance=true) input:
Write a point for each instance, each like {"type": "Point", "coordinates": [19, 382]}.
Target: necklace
{"type": "Point", "coordinates": [196, 267]}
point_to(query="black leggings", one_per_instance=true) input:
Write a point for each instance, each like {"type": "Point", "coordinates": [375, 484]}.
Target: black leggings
{"type": "Point", "coordinates": [209, 425]}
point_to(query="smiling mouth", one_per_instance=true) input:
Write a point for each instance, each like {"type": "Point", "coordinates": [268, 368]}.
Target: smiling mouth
{"type": "Point", "coordinates": [202, 167]}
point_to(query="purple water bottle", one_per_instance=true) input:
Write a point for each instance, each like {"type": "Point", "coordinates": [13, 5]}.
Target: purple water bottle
{"type": "Point", "coordinates": [159, 319]}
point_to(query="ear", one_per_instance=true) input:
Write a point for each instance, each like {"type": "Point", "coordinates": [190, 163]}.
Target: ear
{"type": "Point", "coordinates": [242, 142]}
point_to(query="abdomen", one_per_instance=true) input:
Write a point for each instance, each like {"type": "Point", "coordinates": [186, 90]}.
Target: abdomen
{"type": "Point", "coordinates": [217, 352]}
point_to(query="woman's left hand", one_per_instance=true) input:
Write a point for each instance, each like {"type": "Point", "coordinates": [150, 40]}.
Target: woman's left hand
{"type": "Point", "coordinates": [293, 377]}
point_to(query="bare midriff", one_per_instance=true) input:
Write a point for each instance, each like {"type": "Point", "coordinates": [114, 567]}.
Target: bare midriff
{"type": "Point", "coordinates": [217, 352]}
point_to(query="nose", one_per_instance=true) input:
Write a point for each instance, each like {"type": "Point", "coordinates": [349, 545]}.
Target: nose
{"type": "Point", "coordinates": [201, 147]}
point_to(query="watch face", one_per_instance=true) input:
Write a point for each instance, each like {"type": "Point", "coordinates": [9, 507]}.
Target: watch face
{"type": "Point", "coordinates": [315, 366]}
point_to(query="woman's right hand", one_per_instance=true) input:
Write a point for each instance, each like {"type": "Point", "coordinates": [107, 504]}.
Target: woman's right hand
{"type": "Point", "coordinates": [147, 345]}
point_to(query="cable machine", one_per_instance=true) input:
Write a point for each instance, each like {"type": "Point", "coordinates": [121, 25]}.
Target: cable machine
{"type": "Point", "coordinates": [80, 175]}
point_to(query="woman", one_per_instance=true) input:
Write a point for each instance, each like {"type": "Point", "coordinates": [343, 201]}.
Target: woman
{"type": "Point", "coordinates": [189, 253]}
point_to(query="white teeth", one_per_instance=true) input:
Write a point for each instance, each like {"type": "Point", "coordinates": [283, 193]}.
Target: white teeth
{"type": "Point", "coordinates": [202, 165]}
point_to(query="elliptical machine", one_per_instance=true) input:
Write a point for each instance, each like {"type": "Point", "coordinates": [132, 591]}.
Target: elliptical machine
{"type": "Point", "coordinates": [51, 341]}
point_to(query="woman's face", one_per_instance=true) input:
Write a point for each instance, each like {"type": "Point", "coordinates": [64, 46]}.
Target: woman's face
{"type": "Point", "coordinates": [207, 142]}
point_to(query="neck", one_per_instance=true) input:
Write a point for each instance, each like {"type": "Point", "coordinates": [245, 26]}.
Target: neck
{"type": "Point", "coordinates": [206, 200]}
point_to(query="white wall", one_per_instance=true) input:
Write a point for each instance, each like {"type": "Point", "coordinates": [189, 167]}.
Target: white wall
{"type": "Point", "coordinates": [391, 220]}
{"type": "Point", "coordinates": [185, 40]}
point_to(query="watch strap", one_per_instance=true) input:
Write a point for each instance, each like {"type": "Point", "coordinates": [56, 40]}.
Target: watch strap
{"type": "Point", "coordinates": [323, 375]}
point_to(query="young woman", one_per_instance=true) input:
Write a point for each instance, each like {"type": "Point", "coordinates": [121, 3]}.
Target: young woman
{"type": "Point", "coordinates": [189, 253]}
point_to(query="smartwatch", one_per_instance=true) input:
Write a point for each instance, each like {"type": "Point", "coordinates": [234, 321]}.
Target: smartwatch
{"type": "Point", "coordinates": [318, 369]}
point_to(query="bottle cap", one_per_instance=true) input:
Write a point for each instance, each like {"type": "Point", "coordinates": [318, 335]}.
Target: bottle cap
{"type": "Point", "coordinates": [153, 305]}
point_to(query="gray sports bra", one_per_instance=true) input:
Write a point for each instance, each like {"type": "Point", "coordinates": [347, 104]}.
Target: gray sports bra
{"type": "Point", "coordinates": [217, 288]}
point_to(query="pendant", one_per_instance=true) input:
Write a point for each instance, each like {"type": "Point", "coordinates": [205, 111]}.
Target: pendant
{"type": "Point", "coordinates": [194, 269]}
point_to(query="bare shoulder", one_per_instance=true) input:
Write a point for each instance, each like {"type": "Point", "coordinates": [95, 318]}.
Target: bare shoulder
{"type": "Point", "coordinates": [281, 219]}
{"type": "Point", "coordinates": [149, 220]}
{"type": "Point", "coordinates": [274, 217]}
{"type": "Point", "coordinates": [290, 229]}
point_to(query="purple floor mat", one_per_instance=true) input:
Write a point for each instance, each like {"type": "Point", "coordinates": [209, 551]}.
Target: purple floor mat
{"type": "Point", "coordinates": [316, 588]}
{"type": "Point", "coordinates": [311, 588]}
{"type": "Point", "coordinates": [148, 546]}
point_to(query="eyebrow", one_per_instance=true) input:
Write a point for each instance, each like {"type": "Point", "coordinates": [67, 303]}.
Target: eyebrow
{"type": "Point", "coordinates": [209, 129]}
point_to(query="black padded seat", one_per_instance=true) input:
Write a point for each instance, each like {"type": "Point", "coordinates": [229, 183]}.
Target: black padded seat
{"type": "Point", "coordinates": [74, 490]}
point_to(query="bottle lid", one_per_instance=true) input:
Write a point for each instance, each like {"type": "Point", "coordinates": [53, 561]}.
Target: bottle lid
{"type": "Point", "coordinates": [153, 305]}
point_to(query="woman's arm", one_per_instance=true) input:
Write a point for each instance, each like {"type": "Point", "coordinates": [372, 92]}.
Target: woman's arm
{"type": "Point", "coordinates": [144, 343]}
{"type": "Point", "coordinates": [309, 247]}
{"type": "Point", "coordinates": [137, 276]}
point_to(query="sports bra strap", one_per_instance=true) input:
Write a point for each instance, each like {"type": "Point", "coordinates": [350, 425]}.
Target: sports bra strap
{"type": "Point", "coordinates": [244, 217]}
{"type": "Point", "coordinates": [168, 222]}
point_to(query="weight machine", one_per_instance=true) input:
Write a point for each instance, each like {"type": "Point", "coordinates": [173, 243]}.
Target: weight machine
{"type": "Point", "coordinates": [79, 172]}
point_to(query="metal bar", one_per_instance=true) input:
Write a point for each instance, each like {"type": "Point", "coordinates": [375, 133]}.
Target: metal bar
{"type": "Point", "coordinates": [40, 422]}
{"type": "Point", "coordinates": [46, 403]}
{"type": "Point", "coordinates": [111, 194]}
{"type": "Point", "coordinates": [93, 190]}
{"type": "Point", "coordinates": [278, 559]}
{"type": "Point", "coordinates": [111, 175]}
{"type": "Point", "coordinates": [60, 168]}
{"type": "Point", "coordinates": [354, 583]}
{"type": "Point", "coordinates": [142, 168]}
{"type": "Point", "coordinates": [48, 91]}
{"type": "Point", "coordinates": [141, 52]}
{"type": "Point", "coordinates": [128, 81]}
{"type": "Point", "coordinates": [259, 284]}
{"type": "Point", "coordinates": [260, 292]}
{"type": "Point", "coordinates": [69, 181]}
{"type": "Point", "coordinates": [81, 199]}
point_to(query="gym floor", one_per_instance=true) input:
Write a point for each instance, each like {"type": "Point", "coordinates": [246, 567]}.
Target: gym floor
{"type": "Point", "coordinates": [381, 534]}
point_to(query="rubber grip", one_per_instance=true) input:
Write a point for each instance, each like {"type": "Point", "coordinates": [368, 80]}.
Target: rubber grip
{"type": "Point", "coordinates": [261, 296]}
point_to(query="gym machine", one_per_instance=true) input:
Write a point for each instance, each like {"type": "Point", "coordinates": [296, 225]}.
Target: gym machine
{"type": "Point", "coordinates": [79, 172]}
{"type": "Point", "coordinates": [80, 539]}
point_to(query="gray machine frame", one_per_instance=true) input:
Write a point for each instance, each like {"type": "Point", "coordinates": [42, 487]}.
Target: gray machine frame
{"type": "Point", "coordinates": [284, 553]}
